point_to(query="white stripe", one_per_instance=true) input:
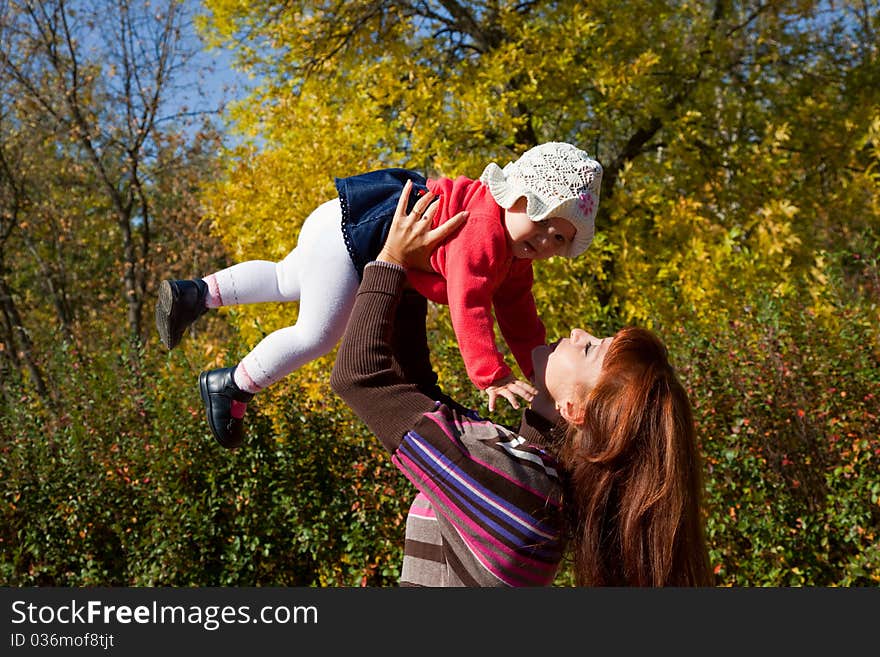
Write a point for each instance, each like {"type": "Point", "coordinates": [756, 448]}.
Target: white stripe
{"type": "Point", "coordinates": [511, 448]}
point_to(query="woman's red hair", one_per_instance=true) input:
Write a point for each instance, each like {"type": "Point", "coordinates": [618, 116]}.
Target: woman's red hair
{"type": "Point", "coordinates": [635, 487]}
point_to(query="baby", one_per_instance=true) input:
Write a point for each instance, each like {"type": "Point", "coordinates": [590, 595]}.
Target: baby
{"type": "Point", "coordinates": [541, 205]}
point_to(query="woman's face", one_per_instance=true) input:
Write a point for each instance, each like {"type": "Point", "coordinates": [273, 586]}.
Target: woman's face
{"type": "Point", "coordinates": [571, 364]}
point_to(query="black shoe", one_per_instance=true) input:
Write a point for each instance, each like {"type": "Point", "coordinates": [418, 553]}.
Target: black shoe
{"type": "Point", "coordinates": [219, 391]}
{"type": "Point", "coordinates": [180, 304]}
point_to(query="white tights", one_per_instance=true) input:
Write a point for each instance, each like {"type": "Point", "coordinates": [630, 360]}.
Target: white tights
{"type": "Point", "coordinates": [319, 274]}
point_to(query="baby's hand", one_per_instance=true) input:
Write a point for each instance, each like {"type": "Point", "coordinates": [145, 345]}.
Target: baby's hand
{"type": "Point", "coordinates": [509, 387]}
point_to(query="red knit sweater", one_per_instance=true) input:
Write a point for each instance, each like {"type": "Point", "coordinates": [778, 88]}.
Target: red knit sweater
{"type": "Point", "coordinates": [474, 272]}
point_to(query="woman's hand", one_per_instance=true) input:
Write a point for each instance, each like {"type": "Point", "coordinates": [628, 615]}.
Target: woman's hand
{"type": "Point", "coordinates": [411, 240]}
{"type": "Point", "coordinates": [509, 388]}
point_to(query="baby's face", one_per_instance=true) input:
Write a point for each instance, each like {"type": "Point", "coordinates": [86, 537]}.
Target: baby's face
{"type": "Point", "coordinates": [537, 240]}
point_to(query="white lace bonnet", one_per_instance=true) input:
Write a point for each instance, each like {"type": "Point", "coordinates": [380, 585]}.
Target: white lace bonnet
{"type": "Point", "coordinates": [558, 180]}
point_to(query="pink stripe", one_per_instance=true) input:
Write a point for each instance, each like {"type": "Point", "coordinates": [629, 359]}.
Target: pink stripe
{"type": "Point", "coordinates": [422, 506]}
{"type": "Point", "coordinates": [422, 514]}
{"type": "Point", "coordinates": [501, 551]}
{"type": "Point", "coordinates": [436, 417]}
{"type": "Point", "coordinates": [237, 409]}
{"type": "Point", "coordinates": [215, 299]}
{"type": "Point", "coordinates": [244, 381]}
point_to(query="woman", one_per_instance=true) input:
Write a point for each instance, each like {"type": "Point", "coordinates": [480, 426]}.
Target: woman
{"type": "Point", "coordinates": [604, 464]}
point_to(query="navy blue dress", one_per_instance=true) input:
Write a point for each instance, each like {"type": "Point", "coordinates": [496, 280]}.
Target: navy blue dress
{"type": "Point", "coordinates": [368, 203]}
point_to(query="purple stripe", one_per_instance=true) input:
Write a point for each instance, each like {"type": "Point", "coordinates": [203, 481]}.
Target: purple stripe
{"type": "Point", "coordinates": [508, 570]}
{"type": "Point", "coordinates": [439, 420]}
{"type": "Point", "coordinates": [518, 525]}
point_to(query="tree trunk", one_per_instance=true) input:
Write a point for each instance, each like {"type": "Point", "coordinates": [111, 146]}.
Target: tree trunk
{"type": "Point", "coordinates": [21, 346]}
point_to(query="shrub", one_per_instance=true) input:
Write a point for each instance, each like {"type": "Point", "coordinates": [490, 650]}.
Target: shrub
{"type": "Point", "coordinates": [129, 488]}
{"type": "Point", "coordinates": [786, 407]}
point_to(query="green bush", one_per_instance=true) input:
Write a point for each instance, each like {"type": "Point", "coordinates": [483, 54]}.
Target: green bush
{"type": "Point", "coordinates": [129, 488]}
{"type": "Point", "coordinates": [787, 411]}
{"type": "Point", "coordinates": [125, 485]}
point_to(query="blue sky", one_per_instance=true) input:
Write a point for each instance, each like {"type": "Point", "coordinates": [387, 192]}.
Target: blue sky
{"type": "Point", "coordinates": [209, 80]}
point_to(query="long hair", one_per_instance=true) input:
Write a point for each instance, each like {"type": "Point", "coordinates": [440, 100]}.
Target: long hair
{"type": "Point", "coordinates": [634, 492]}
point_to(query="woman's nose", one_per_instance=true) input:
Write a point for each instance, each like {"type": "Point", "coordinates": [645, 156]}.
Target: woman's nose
{"type": "Point", "coordinates": [579, 335]}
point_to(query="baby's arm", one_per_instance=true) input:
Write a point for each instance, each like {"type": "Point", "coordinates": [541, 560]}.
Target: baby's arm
{"type": "Point", "coordinates": [517, 315]}
{"type": "Point", "coordinates": [472, 284]}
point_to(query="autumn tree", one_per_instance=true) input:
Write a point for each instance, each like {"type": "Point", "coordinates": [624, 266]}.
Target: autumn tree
{"type": "Point", "coordinates": [736, 137]}
{"type": "Point", "coordinates": [16, 201]}
{"type": "Point", "coordinates": [739, 213]}
{"type": "Point", "coordinates": [98, 74]}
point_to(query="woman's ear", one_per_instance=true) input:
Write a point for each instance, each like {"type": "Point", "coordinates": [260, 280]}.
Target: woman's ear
{"type": "Point", "coordinates": [573, 413]}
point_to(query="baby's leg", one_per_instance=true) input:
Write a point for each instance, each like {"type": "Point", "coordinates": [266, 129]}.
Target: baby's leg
{"type": "Point", "coordinates": [180, 303]}
{"type": "Point", "coordinates": [320, 273]}
{"type": "Point", "coordinates": [255, 281]}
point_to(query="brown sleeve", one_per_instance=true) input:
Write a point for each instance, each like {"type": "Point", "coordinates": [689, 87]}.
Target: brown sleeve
{"type": "Point", "coordinates": [409, 344]}
{"type": "Point", "coordinates": [366, 374]}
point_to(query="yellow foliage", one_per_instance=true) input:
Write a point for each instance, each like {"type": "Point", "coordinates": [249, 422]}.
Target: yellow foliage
{"type": "Point", "coordinates": [753, 173]}
{"type": "Point", "coordinates": [774, 231]}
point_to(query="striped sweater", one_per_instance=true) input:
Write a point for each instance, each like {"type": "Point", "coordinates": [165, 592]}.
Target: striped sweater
{"type": "Point", "coordinates": [487, 511]}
